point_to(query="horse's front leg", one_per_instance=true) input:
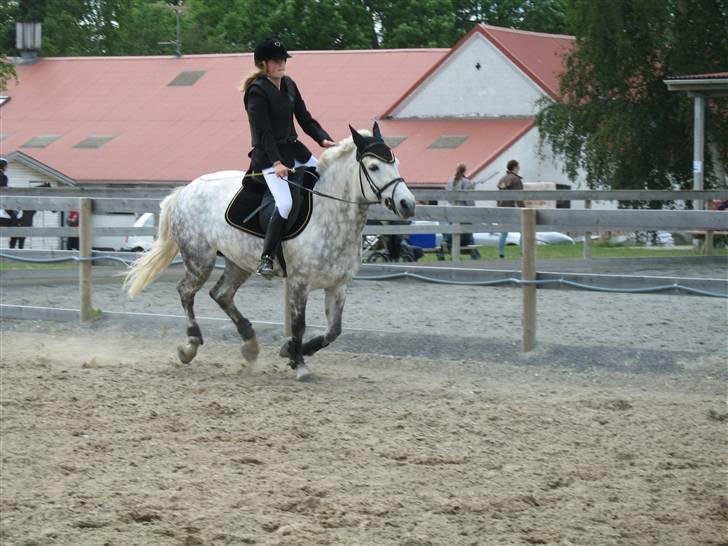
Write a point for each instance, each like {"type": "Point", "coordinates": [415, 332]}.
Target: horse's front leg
{"type": "Point", "coordinates": [334, 302]}
{"type": "Point", "coordinates": [297, 299]}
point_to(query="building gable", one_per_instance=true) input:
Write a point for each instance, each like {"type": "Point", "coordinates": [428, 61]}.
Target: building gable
{"type": "Point", "coordinates": [476, 81]}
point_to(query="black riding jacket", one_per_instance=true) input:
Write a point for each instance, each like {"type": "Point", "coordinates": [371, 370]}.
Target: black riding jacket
{"type": "Point", "coordinates": [270, 114]}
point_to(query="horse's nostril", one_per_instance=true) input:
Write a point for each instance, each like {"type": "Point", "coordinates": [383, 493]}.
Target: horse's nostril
{"type": "Point", "coordinates": [404, 204]}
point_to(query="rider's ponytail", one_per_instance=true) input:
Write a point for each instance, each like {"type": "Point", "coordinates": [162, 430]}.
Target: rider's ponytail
{"type": "Point", "coordinates": [258, 73]}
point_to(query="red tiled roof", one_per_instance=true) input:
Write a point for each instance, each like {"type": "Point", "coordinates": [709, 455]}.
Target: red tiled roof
{"type": "Point", "coordinates": [487, 139]}
{"type": "Point", "coordinates": [168, 134]}
{"type": "Point", "coordinates": [177, 133]}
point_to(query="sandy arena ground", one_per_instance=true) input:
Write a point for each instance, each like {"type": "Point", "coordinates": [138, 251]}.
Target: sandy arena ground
{"type": "Point", "coordinates": [425, 425]}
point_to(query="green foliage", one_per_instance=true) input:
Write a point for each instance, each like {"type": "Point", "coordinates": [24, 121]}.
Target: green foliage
{"type": "Point", "coordinates": [9, 14]}
{"type": "Point", "coordinates": [616, 119]}
{"type": "Point", "coordinates": [536, 15]}
{"type": "Point", "coordinates": [135, 27]}
{"type": "Point", "coordinates": [7, 72]}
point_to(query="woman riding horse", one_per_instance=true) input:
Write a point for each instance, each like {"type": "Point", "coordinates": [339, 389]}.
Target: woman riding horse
{"type": "Point", "coordinates": [271, 100]}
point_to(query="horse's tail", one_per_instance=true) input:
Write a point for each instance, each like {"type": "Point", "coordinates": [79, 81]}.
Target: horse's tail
{"type": "Point", "coordinates": [152, 263]}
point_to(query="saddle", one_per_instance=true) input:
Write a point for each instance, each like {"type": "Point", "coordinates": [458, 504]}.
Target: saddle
{"type": "Point", "coordinates": [250, 209]}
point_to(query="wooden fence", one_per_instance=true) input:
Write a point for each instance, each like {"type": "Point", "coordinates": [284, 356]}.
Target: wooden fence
{"type": "Point", "coordinates": [451, 219]}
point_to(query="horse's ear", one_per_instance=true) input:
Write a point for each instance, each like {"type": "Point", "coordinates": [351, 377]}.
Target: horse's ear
{"type": "Point", "coordinates": [375, 131]}
{"type": "Point", "coordinates": [358, 139]}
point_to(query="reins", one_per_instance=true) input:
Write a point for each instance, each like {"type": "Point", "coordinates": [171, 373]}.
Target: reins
{"type": "Point", "coordinates": [389, 202]}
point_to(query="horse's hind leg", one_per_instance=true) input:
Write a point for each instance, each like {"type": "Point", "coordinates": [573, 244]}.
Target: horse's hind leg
{"type": "Point", "coordinates": [224, 293]}
{"type": "Point", "coordinates": [197, 271]}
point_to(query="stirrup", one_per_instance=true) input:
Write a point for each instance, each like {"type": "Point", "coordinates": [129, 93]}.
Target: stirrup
{"type": "Point", "coordinates": [265, 269]}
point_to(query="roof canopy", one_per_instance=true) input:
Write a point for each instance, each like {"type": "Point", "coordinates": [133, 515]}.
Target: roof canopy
{"type": "Point", "coordinates": [169, 120]}
{"type": "Point", "coordinates": [714, 84]}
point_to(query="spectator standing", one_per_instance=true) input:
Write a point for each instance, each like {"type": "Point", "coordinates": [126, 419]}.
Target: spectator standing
{"type": "Point", "coordinates": [23, 219]}
{"type": "Point", "coordinates": [72, 243]}
{"type": "Point", "coordinates": [510, 181]}
{"type": "Point", "coordinates": [461, 182]}
{"type": "Point", "coordinates": [8, 218]}
{"type": "Point", "coordinates": [4, 215]}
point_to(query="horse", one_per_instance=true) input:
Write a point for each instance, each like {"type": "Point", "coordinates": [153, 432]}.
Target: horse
{"type": "Point", "coordinates": [360, 171]}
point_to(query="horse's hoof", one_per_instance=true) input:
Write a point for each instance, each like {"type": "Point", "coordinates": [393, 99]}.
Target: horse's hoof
{"type": "Point", "coordinates": [285, 350]}
{"type": "Point", "coordinates": [188, 351]}
{"type": "Point", "coordinates": [303, 373]}
{"type": "Point", "coordinates": [250, 350]}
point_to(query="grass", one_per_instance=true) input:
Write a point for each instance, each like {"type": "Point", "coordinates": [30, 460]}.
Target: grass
{"type": "Point", "coordinates": [576, 251]}
{"type": "Point", "coordinates": [600, 249]}
{"type": "Point", "coordinates": [9, 264]}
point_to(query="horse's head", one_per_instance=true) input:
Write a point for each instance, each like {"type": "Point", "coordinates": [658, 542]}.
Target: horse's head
{"type": "Point", "coordinates": [379, 167]}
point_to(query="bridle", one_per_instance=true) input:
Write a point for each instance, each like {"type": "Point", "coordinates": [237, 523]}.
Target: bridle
{"type": "Point", "coordinates": [360, 155]}
{"type": "Point", "coordinates": [369, 150]}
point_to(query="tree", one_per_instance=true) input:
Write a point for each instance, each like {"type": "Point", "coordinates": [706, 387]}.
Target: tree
{"type": "Point", "coordinates": [8, 16]}
{"type": "Point", "coordinates": [615, 117]}
{"type": "Point", "coordinates": [7, 72]}
{"type": "Point", "coordinates": [535, 15]}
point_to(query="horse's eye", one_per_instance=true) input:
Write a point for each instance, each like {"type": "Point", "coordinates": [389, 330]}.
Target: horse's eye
{"type": "Point", "coordinates": [374, 168]}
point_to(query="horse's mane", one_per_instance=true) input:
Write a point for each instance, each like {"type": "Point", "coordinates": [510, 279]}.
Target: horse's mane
{"type": "Point", "coordinates": [332, 155]}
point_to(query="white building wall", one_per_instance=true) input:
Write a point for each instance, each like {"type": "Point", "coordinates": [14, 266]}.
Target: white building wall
{"type": "Point", "coordinates": [459, 89]}
{"type": "Point", "coordinates": [538, 166]}
{"type": "Point", "coordinates": [21, 176]}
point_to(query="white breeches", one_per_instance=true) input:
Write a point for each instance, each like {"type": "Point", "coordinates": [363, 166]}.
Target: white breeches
{"type": "Point", "coordinates": [279, 186]}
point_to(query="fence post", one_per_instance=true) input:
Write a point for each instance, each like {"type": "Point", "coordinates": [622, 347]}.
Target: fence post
{"type": "Point", "coordinates": [455, 246]}
{"type": "Point", "coordinates": [85, 210]}
{"type": "Point", "coordinates": [708, 247]}
{"type": "Point", "coordinates": [155, 219]}
{"type": "Point", "coordinates": [528, 273]}
{"type": "Point", "coordinates": [587, 235]}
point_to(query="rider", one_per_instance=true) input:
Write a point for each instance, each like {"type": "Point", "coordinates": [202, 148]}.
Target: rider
{"type": "Point", "coordinates": [271, 100]}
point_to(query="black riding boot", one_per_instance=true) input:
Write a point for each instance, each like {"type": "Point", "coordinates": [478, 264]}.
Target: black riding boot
{"type": "Point", "coordinates": [272, 238]}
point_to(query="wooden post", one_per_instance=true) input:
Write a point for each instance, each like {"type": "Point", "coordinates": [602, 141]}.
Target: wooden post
{"type": "Point", "coordinates": [85, 212]}
{"type": "Point", "coordinates": [455, 246]}
{"type": "Point", "coordinates": [528, 273]}
{"type": "Point", "coordinates": [698, 145]}
{"type": "Point", "coordinates": [708, 247]}
{"type": "Point", "coordinates": [587, 235]}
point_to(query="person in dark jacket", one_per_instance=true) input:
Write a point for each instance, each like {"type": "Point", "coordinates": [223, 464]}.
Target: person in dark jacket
{"type": "Point", "coordinates": [271, 100]}
{"type": "Point", "coordinates": [3, 176]}
{"type": "Point", "coordinates": [510, 181]}
{"type": "Point", "coordinates": [8, 218]}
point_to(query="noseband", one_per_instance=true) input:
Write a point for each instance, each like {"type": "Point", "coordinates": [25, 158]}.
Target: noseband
{"type": "Point", "coordinates": [386, 155]}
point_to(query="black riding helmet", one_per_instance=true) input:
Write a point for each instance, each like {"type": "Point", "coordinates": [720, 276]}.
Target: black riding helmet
{"type": "Point", "coordinates": [270, 49]}
{"type": "Point", "coordinates": [3, 162]}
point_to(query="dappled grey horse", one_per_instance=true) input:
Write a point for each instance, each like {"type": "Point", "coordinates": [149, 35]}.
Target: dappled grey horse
{"type": "Point", "coordinates": [360, 171]}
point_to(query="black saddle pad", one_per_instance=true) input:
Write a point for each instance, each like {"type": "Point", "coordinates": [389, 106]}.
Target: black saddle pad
{"type": "Point", "coordinates": [245, 212]}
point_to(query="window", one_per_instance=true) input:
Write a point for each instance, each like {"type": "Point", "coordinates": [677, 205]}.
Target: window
{"type": "Point", "coordinates": [448, 141]}
{"type": "Point", "coordinates": [394, 141]}
{"type": "Point", "coordinates": [189, 77]}
{"type": "Point", "coordinates": [41, 141]}
{"type": "Point", "coordinates": [93, 142]}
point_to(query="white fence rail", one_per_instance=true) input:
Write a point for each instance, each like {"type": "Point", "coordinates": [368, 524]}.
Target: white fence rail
{"type": "Point", "coordinates": [452, 219]}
